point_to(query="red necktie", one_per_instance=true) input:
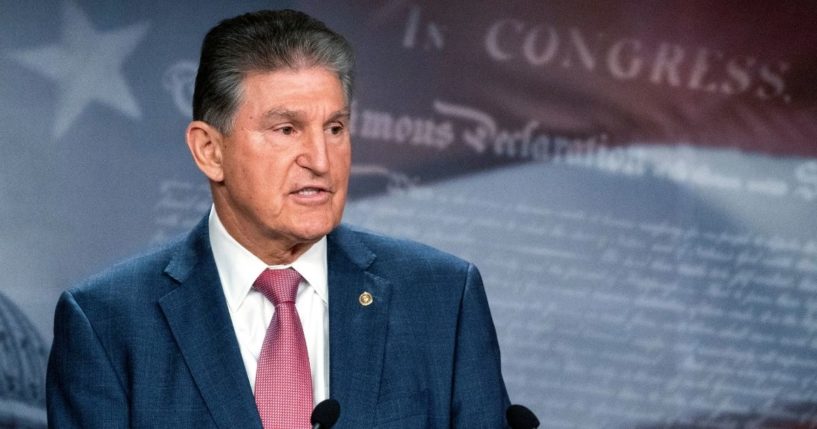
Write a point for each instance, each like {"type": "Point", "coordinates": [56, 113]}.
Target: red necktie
{"type": "Point", "coordinates": [283, 381]}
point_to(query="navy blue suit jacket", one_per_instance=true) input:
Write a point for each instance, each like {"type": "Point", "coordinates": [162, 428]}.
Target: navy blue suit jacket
{"type": "Point", "coordinates": [150, 344]}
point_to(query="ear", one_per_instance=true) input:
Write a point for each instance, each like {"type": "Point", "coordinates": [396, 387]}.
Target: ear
{"type": "Point", "coordinates": [205, 144]}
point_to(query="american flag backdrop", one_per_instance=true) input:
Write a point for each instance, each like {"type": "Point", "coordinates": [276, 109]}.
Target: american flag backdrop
{"type": "Point", "coordinates": [636, 180]}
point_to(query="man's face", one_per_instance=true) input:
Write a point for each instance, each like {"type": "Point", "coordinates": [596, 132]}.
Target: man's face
{"type": "Point", "coordinates": [286, 163]}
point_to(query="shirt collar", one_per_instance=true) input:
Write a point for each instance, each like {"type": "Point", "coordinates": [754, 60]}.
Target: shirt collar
{"type": "Point", "coordinates": [238, 268]}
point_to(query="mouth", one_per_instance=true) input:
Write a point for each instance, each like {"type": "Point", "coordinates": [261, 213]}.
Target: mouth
{"type": "Point", "coordinates": [310, 191]}
{"type": "Point", "coordinates": [311, 194]}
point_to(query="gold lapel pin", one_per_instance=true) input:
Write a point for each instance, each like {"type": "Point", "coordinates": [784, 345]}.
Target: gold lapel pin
{"type": "Point", "coordinates": [365, 299]}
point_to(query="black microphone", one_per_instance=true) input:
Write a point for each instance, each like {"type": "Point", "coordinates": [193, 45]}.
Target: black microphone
{"type": "Point", "coordinates": [520, 417]}
{"type": "Point", "coordinates": [325, 414]}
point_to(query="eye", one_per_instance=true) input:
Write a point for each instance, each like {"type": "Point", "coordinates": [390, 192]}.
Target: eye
{"type": "Point", "coordinates": [286, 130]}
{"type": "Point", "coordinates": [336, 130]}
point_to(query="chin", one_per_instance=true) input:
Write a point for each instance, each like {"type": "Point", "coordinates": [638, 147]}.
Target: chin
{"type": "Point", "coordinates": [314, 232]}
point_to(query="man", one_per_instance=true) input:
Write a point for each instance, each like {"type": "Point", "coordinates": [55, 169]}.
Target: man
{"type": "Point", "coordinates": [195, 335]}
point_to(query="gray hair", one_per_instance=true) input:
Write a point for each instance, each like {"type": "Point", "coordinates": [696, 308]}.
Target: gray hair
{"type": "Point", "coordinates": [263, 41]}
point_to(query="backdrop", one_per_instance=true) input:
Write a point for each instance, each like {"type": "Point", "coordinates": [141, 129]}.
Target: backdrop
{"type": "Point", "coordinates": [637, 181]}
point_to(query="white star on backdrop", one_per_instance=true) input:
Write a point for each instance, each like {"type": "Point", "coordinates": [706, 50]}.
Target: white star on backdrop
{"type": "Point", "coordinates": [87, 66]}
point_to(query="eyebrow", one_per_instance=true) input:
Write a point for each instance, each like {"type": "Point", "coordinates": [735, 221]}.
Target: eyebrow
{"type": "Point", "coordinates": [282, 113]}
{"type": "Point", "coordinates": [295, 115]}
{"type": "Point", "coordinates": [340, 114]}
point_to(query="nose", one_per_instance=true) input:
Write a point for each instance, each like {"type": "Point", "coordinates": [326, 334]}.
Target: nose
{"type": "Point", "coordinates": [314, 156]}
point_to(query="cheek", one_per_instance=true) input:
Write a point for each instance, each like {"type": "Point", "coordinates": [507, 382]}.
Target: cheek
{"type": "Point", "coordinates": [342, 157]}
{"type": "Point", "coordinates": [259, 185]}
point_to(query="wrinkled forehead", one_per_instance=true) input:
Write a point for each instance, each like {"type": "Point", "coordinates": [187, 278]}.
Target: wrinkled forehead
{"type": "Point", "coordinates": [300, 69]}
{"type": "Point", "coordinates": [293, 94]}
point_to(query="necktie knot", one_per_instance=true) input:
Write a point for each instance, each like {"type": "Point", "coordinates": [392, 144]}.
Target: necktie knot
{"type": "Point", "coordinates": [278, 286]}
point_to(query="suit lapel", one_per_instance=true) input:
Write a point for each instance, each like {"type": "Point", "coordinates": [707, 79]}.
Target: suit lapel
{"type": "Point", "coordinates": [197, 313]}
{"type": "Point", "coordinates": [357, 332]}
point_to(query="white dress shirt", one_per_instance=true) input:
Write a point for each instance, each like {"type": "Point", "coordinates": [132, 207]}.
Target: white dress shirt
{"type": "Point", "coordinates": [251, 312]}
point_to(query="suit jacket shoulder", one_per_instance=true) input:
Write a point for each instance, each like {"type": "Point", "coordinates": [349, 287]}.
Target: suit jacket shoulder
{"type": "Point", "coordinates": [149, 343]}
{"type": "Point", "coordinates": [429, 338]}
{"type": "Point", "coordinates": [136, 279]}
{"type": "Point", "coordinates": [409, 255]}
